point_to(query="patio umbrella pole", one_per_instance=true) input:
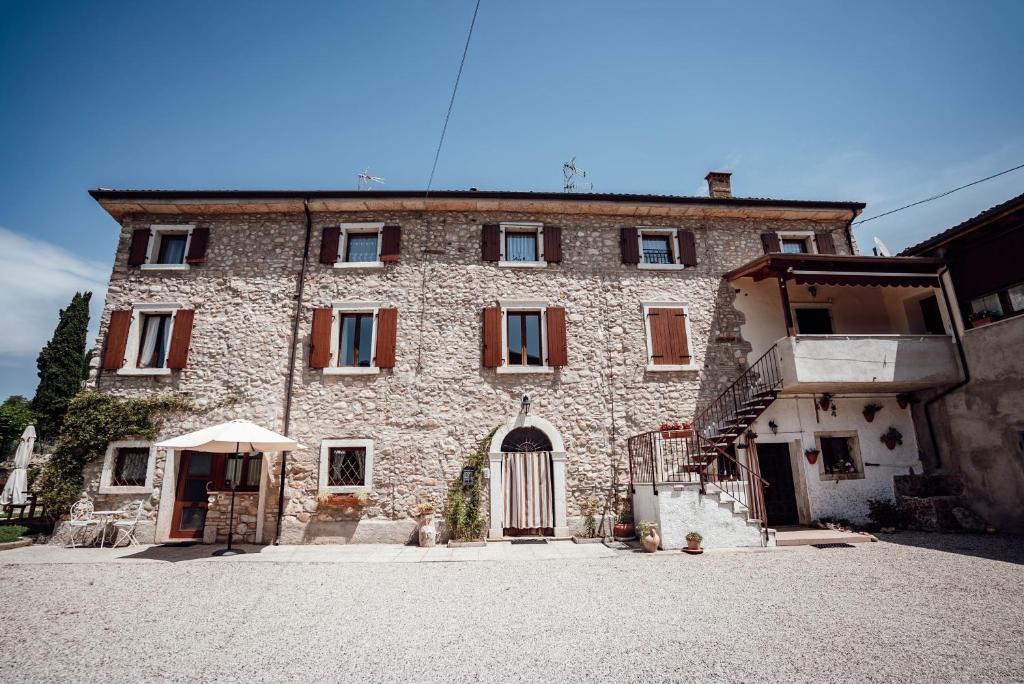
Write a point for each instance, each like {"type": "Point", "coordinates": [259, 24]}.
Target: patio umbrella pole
{"type": "Point", "coordinates": [231, 519]}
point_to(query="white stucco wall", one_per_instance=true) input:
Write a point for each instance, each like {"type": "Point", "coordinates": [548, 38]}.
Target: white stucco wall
{"type": "Point", "coordinates": [798, 423]}
{"type": "Point", "coordinates": [681, 509]}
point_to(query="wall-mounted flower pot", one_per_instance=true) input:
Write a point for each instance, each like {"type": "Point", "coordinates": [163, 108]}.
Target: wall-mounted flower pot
{"type": "Point", "coordinates": [343, 501]}
{"type": "Point", "coordinates": [889, 442]}
{"type": "Point", "coordinates": [903, 401]}
{"type": "Point", "coordinates": [869, 416]}
{"type": "Point", "coordinates": [978, 322]}
{"type": "Point", "coordinates": [676, 434]}
{"type": "Point", "coordinates": [812, 456]}
{"type": "Point", "coordinates": [825, 403]}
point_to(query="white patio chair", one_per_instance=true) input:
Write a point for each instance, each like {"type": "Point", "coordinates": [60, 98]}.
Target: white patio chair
{"type": "Point", "coordinates": [128, 520]}
{"type": "Point", "coordinates": [81, 521]}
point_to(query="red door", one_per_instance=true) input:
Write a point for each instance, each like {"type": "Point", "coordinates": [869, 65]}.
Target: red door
{"type": "Point", "coordinates": [190, 502]}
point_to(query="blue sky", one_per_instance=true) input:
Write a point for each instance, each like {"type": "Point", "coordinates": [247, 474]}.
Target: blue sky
{"type": "Point", "coordinates": [880, 102]}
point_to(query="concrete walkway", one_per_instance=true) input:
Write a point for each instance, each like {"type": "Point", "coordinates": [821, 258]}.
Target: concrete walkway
{"type": "Point", "coordinates": [309, 553]}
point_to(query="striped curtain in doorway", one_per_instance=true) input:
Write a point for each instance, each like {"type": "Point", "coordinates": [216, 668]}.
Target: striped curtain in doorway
{"type": "Point", "coordinates": [528, 492]}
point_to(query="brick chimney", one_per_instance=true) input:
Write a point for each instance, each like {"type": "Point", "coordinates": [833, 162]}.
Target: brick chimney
{"type": "Point", "coordinates": [719, 184]}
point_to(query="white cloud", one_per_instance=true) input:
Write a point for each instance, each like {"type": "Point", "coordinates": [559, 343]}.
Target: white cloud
{"type": "Point", "coordinates": [37, 279]}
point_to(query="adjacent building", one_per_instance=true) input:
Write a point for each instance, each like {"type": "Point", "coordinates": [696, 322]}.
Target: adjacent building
{"type": "Point", "coordinates": [394, 333]}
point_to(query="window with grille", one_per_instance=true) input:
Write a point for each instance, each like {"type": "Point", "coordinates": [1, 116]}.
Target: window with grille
{"type": "Point", "coordinates": [130, 465]}
{"type": "Point", "coordinates": [657, 249]}
{"type": "Point", "coordinates": [346, 467]}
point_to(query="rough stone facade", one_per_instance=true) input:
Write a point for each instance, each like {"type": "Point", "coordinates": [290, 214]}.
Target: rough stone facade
{"type": "Point", "coordinates": [428, 413]}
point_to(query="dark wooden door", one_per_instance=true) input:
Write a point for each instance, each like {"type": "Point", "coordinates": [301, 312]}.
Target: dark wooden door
{"type": "Point", "coordinates": [780, 495]}
{"type": "Point", "coordinates": [190, 501]}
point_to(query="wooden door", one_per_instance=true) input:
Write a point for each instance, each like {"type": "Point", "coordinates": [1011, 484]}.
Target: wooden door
{"type": "Point", "coordinates": [190, 501]}
{"type": "Point", "coordinates": [780, 495]}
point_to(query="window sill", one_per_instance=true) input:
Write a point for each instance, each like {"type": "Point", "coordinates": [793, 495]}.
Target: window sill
{"type": "Point", "coordinates": [525, 370]}
{"type": "Point", "coordinates": [523, 264]}
{"type": "Point", "coordinates": [660, 267]}
{"type": "Point", "coordinates": [341, 370]}
{"type": "Point", "coordinates": [356, 489]}
{"type": "Point", "coordinates": [670, 368]}
{"type": "Point", "coordinates": [165, 267]}
{"type": "Point", "coordinates": [841, 476]}
{"type": "Point", "coordinates": [143, 371]}
{"type": "Point", "coordinates": [358, 264]}
{"type": "Point", "coordinates": [111, 489]}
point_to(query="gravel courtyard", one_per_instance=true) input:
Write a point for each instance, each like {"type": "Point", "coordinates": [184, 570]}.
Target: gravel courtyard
{"type": "Point", "coordinates": [909, 608]}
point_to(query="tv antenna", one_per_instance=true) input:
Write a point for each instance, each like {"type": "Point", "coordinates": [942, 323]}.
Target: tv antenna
{"type": "Point", "coordinates": [570, 173]}
{"type": "Point", "coordinates": [880, 249]}
{"type": "Point", "coordinates": [366, 181]}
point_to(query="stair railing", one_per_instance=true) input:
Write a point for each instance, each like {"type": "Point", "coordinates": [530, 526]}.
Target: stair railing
{"type": "Point", "coordinates": [747, 489]}
{"type": "Point", "coordinates": [763, 375]}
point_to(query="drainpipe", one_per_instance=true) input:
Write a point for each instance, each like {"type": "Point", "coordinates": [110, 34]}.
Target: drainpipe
{"type": "Point", "coordinates": [963, 364]}
{"type": "Point", "coordinates": [849, 230]}
{"type": "Point", "coordinates": [290, 381]}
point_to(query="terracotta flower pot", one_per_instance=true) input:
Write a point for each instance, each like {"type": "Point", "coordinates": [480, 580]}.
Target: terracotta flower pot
{"type": "Point", "coordinates": [869, 416]}
{"type": "Point", "coordinates": [891, 443]}
{"type": "Point", "coordinates": [824, 404]}
{"type": "Point", "coordinates": [651, 541]}
{"type": "Point", "coordinates": [812, 457]}
{"type": "Point", "coordinates": [903, 402]}
{"type": "Point", "coordinates": [692, 545]}
{"type": "Point", "coordinates": [624, 530]}
{"type": "Point", "coordinates": [978, 322]}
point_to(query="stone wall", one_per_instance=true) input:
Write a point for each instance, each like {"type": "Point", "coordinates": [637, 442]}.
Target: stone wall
{"type": "Point", "coordinates": [430, 412]}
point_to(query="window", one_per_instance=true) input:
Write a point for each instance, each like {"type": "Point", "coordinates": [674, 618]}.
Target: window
{"type": "Point", "coordinates": [154, 340]}
{"type": "Point", "coordinates": [813, 320]}
{"type": "Point", "coordinates": [360, 245]}
{"type": "Point", "coordinates": [346, 466]}
{"type": "Point", "coordinates": [243, 469]}
{"type": "Point", "coordinates": [989, 302]}
{"type": "Point", "coordinates": [1016, 296]}
{"type": "Point", "coordinates": [667, 327]}
{"type": "Point", "coordinates": [657, 249]}
{"type": "Point", "coordinates": [524, 338]}
{"type": "Point", "coordinates": [660, 248]}
{"type": "Point", "coordinates": [355, 346]}
{"type": "Point", "coordinates": [361, 248]}
{"type": "Point", "coordinates": [1005, 302]}
{"type": "Point", "coordinates": [522, 244]}
{"type": "Point", "coordinates": [168, 247]}
{"type": "Point", "coordinates": [794, 246]}
{"type": "Point", "coordinates": [800, 242]}
{"type": "Point", "coordinates": [128, 468]}
{"type": "Point", "coordinates": [840, 457]}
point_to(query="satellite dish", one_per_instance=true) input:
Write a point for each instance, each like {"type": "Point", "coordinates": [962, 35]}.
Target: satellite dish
{"type": "Point", "coordinates": [881, 249]}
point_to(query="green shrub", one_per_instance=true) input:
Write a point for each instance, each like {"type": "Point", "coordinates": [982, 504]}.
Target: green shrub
{"type": "Point", "coordinates": [464, 511]}
{"type": "Point", "coordinates": [9, 533]}
{"type": "Point", "coordinates": [885, 513]}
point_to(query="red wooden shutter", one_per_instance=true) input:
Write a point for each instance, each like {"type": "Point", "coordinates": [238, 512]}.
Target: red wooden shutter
{"type": "Point", "coordinates": [629, 245]}
{"type": "Point", "coordinates": [553, 244]}
{"type": "Point", "coordinates": [387, 335]}
{"type": "Point", "coordinates": [117, 339]}
{"type": "Point", "coordinates": [329, 244]}
{"type": "Point", "coordinates": [687, 248]}
{"type": "Point", "coordinates": [826, 245]}
{"type": "Point", "coordinates": [320, 339]}
{"type": "Point", "coordinates": [181, 339]}
{"type": "Point", "coordinates": [197, 246]}
{"type": "Point", "coordinates": [490, 242]}
{"type": "Point", "coordinates": [139, 247]}
{"type": "Point", "coordinates": [390, 243]}
{"type": "Point", "coordinates": [558, 353]}
{"type": "Point", "coordinates": [492, 337]}
{"type": "Point", "coordinates": [661, 341]}
{"type": "Point", "coordinates": [770, 242]}
{"type": "Point", "coordinates": [680, 349]}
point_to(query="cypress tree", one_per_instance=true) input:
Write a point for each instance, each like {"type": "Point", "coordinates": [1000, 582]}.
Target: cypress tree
{"type": "Point", "coordinates": [60, 367]}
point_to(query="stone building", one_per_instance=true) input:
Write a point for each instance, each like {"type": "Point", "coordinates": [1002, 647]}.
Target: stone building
{"type": "Point", "coordinates": [393, 333]}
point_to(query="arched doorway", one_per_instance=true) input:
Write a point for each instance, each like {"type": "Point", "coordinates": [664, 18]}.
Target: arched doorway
{"type": "Point", "coordinates": [527, 467]}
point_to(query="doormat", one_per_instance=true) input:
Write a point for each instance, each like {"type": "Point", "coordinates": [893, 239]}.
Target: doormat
{"type": "Point", "coordinates": [833, 546]}
{"type": "Point", "coordinates": [529, 541]}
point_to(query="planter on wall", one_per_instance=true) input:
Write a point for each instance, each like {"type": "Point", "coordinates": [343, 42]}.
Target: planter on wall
{"type": "Point", "coordinates": [676, 434]}
{"type": "Point", "coordinates": [889, 442]}
{"type": "Point", "coordinates": [343, 501]}
{"type": "Point", "coordinates": [978, 322]}
{"type": "Point", "coordinates": [812, 456]}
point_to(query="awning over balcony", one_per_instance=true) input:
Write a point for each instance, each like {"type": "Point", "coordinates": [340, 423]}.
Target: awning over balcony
{"type": "Point", "coordinates": [829, 269]}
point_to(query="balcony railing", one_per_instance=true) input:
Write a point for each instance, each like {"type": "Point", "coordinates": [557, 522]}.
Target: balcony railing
{"type": "Point", "coordinates": [658, 256]}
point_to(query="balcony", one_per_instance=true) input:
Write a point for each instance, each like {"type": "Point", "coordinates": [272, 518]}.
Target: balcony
{"type": "Point", "coordinates": [866, 363]}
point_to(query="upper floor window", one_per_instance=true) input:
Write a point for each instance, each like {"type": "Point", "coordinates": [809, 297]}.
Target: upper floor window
{"type": "Point", "coordinates": [524, 337]}
{"type": "Point", "coordinates": [798, 242]}
{"type": "Point", "coordinates": [1006, 302]}
{"type": "Point", "coordinates": [524, 244]}
{"type": "Point", "coordinates": [667, 329]}
{"type": "Point", "coordinates": [658, 248]}
{"type": "Point", "coordinates": [149, 339]}
{"type": "Point", "coordinates": [360, 245]}
{"type": "Point", "coordinates": [521, 244]}
{"type": "Point", "coordinates": [792, 245]}
{"type": "Point", "coordinates": [168, 247]}
{"type": "Point", "coordinates": [353, 338]}
{"type": "Point", "coordinates": [813, 319]}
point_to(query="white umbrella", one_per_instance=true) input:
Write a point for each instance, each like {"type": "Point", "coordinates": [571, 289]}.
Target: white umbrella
{"type": "Point", "coordinates": [233, 437]}
{"type": "Point", "coordinates": [17, 483]}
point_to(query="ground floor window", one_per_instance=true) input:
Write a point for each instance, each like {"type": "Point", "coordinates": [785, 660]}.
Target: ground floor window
{"type": "Point", "coordinates": [839, 455]}
{"type": "Point", "coordinates": [130, 465]}
{"type": "Point", "coordinates": [346, 466]}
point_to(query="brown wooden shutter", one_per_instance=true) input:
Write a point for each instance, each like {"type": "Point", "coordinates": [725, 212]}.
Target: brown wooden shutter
{"type": "Point", "coordinates": [492, 337]}
{"type": "Point", "coordinates": [139, 247]}
{"type": "Point", "coordinates": [391, 243]}
{"type": "Point", "coordinates": [320, 339]}
{"type": "Point", "coordinates": [117, 339]}
{"type": "Point", "coordinates": [490, 242]}
{"type": "Point", "coordinates": [687, 248]}
{"type": "Point", "coordinates": [826, 245]}
{"type": "Point", "coordinates": [669, 345]}
{"type": "Point", "coordinates": [629, 245]}
{"type": "Point", "coordinates": [558, 353]}
{"type": "Point", "coordinates": [181, 339]}
{"type": "Point", "coordinates": [387, 336]}
{"type": "Point", "coordinates": [197, 246]}
{"type": "Point", "coordinates": [329, 244]}
{"type": "Point", "coordinates": [680, 344]}
{"type": "Point", "coordinates": [553, 244]}
{"type": "Point", "coordinates": [770, 242]}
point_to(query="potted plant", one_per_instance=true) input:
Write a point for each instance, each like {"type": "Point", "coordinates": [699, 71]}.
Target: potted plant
{"type": "Point", "coordinates": [427, 532]}
{"type": "Point", "coordinates": [693, 540]}
{"type": "Point", "coordinates": [773, 426]}
{"type": "Point", "coordinates": [905, 399]}
{"type": "Point", "coordinates": [356, 500]}
{"type": "Point", "coordinates": [673, 430]}
{"type": "Point", "coordinates": [812, 454]}
{"type": "Point", "coordinates": [980, 318]}
{"type": "Point", "coordinates": [825, 401]}
{"type": "Point", "coordinates": [624, 525]}
{"type": "Point", "coordinates": [892, 437]}
{"type": "Point", "coordinates": [648, 533]}
{"type": "Point", "coordinates": [870, 410]}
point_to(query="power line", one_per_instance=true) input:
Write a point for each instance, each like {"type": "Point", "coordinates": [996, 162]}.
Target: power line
{"type": "Point", "coordinates": [451, 102]}
{"type": "Point", "coordinates": [943, 194]}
